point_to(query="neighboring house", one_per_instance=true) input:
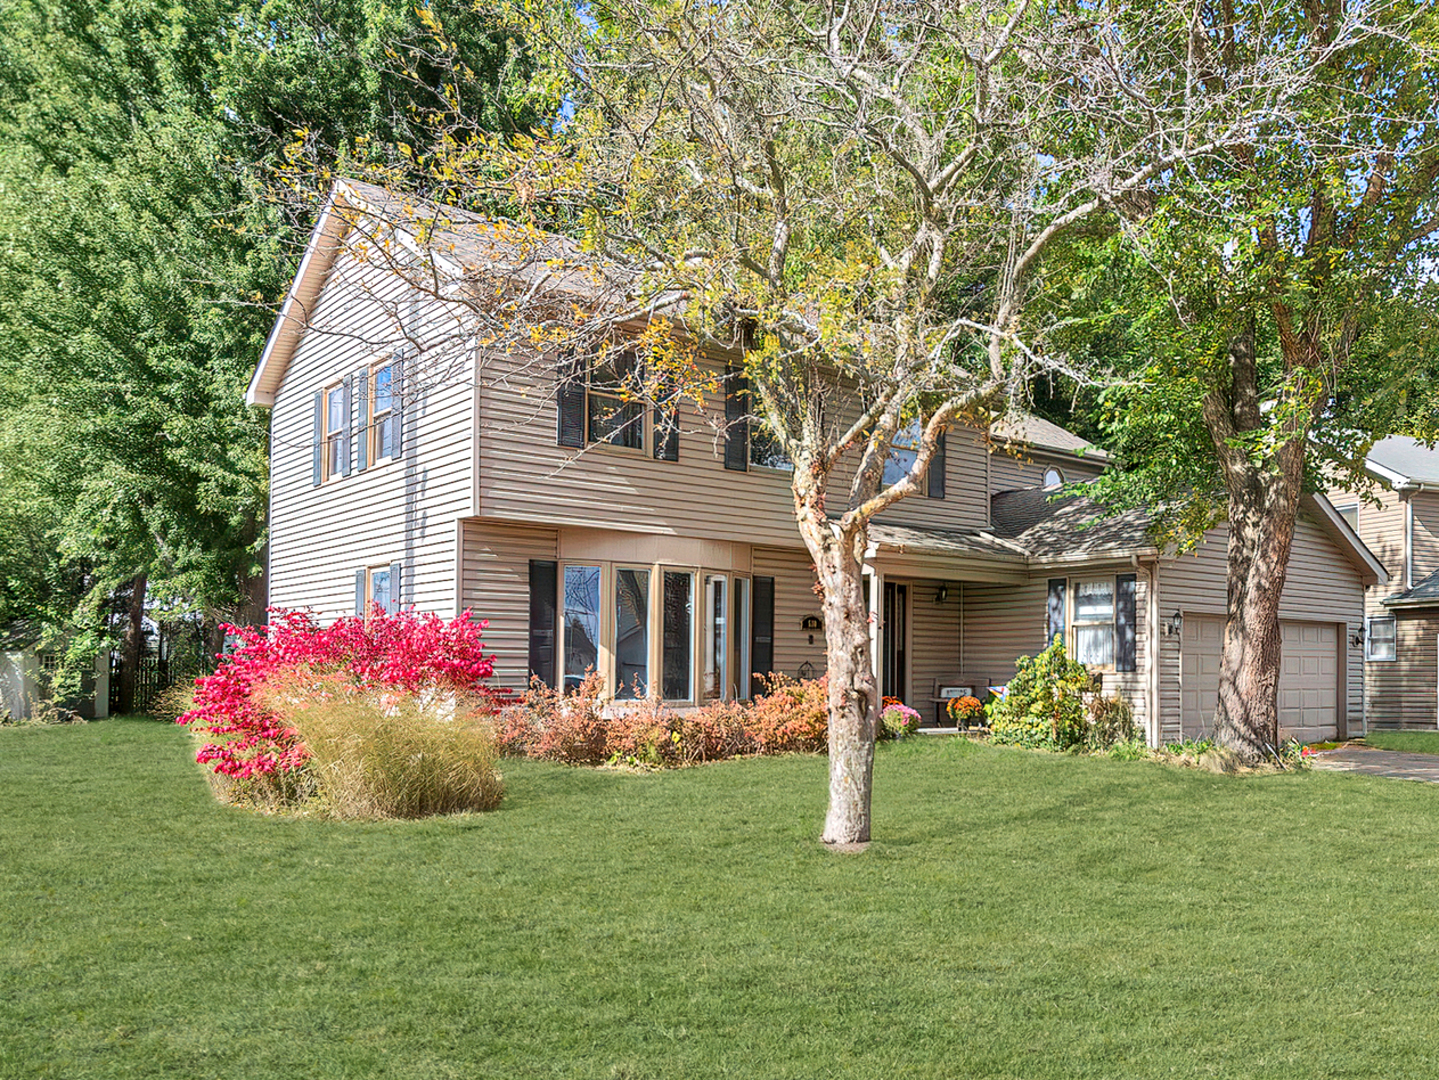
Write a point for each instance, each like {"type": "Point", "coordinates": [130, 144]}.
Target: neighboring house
{"type": "Point", "coordinates": [24, 681]}
{"type": "Point", "coordinates": [667, 556]}
{"type": "Point", "coordinates": [1399, 521]}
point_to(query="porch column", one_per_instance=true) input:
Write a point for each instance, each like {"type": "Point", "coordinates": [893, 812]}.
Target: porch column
{"type": "Point", "coordinates": [876, 622]}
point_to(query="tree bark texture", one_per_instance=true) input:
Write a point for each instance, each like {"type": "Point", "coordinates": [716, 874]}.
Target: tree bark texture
{"type": "Point", "coordinates": [853, 691]}
{"type": "Point", "coordinates": [1262, 496]}
{"type": "Point", "coordinates": [133, 645]}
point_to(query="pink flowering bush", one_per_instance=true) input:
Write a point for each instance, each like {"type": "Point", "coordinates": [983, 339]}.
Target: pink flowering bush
{"type": "Point", "coordinates": [252, 741]}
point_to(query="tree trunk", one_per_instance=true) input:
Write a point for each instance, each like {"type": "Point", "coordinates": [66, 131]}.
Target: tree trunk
{"type": "Point", "coordinates": [132, 648]}
{"type": "Point", "coordinates": [1263, 504]}
{"type": "Point", "coordinates": [853, 693]}
{"type": "Point", "coordinates": [1246, 720]}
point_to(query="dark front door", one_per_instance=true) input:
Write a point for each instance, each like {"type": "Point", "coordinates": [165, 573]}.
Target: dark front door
{"type": "Point", "coordinates": [894, 667]}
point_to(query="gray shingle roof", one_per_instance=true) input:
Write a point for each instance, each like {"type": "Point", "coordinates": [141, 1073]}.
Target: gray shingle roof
{"type": "Point", "coordinates": [1425, 593]}
{"type": "Point", "coordinates": [947, 542]}
{"type": "Point", "coordinates": [1410, 458]}
{"type": "Point", "coordinates": [1023, 427]}
{"type": "Point", "coordinates": [1068, 526]}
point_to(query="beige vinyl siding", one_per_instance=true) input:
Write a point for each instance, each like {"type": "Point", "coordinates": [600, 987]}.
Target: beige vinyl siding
{"type": "Point", "coordinates": [794, 598]}
{"type": "Point", "coordinates": [1426, 536]}
{"type": "Point", "coordinates": [1011, 468]}
{"type": "Point", "coordinates": [1322, 586]}
{"type": "Point", "coordinates": [1402, 692]}
{"type": "Point", "coordinates": [1382, 530]}
{"type": "Point", "coordinates": [400, 511]}
{"type": "Point", "coordinates": [933, 644]}
{"type": "Point", "coordinates": [1002, 622]}
{"type": "Point", "coordinates": [525, 476]}
{"type": "Point", "coordinates": [495, 585]}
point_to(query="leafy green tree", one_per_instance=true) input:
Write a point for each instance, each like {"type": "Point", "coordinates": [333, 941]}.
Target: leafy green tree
{"type": "Point", "coordinates": [1277, 305]}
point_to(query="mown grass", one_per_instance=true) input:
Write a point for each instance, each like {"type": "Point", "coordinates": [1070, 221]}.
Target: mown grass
{"type": "Point", "coordinates": [1019, 915]}
{"type": "Point", "coordinates": [1406, 742]}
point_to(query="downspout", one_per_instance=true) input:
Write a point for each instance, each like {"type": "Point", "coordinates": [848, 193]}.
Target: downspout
{"type": "Point", "coordinates": [1156, 729]}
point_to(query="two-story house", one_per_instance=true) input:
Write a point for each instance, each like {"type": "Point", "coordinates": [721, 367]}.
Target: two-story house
{"type": "Point", "coordinates": [1399, 522]}
{"type": "Point", "coordinates": [662, 552]}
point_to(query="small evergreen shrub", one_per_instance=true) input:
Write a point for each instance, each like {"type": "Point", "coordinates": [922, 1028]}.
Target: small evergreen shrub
{"type": "Point", "coordinates": [1043, 706]}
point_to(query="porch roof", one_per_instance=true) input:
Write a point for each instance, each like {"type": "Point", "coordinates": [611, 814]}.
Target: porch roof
{"type": "Point", "coordinates": [912, 540]}
{"type": "Point", "coordinates": [1424, 593]}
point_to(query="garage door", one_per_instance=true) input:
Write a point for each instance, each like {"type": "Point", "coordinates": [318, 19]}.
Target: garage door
{"type": "Point", "coordinates": [1309, 681]}
{"type": "Point", "coordinates": [1308, 678]}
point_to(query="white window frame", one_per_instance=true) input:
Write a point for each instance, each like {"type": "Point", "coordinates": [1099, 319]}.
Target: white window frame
{"type": "Point", "coordinates": [370, 572]}
{"type": "Point", "coordinates": [1072, 605]}
{"type": "Point", "coordinates": [1369, 622]}
{"type": "Point", "coordinates": [1057, 471]}
{"type": "Point", "coordinates": [328, 435]}
{"type": "Point", "coordinates": [372, 431]}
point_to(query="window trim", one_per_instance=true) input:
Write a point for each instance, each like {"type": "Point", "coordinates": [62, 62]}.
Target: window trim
{"type": "Point", "coordinates": [372, 425]}
{"type": "Point", "coordinates": [1071, 633]}
{"type": "Point", "coordinates": [1369, 621]}
{"type": "Point", "coordinates": [1057, 471]}
{"type": "Point", "coordinates": [342, 434]}
{"type": "Point", "coordinates": [645, 419]}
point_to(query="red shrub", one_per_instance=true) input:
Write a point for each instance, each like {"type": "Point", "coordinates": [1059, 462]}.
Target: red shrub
{"type": "Point", "coordinates": [419, 654]}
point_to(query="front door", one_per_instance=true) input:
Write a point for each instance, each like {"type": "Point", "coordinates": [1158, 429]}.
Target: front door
{"type": "Point", "coordinates": [894, 668]}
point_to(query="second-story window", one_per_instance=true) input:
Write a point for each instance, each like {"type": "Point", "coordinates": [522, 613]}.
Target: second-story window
{"type": "Point", "coordinates": [337, 432]}
{"type": "Point", "coordinates": [904, 452]}
{"type": "Point", "coordinates": [382, 412]}
{"type": "Point", "coordinates": [766, 452]}
{"type": "Point", "coordinates": [612, 414]}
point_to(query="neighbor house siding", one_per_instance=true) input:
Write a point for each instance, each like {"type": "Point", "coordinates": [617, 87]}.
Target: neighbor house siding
{"type": "Point", "coordinates": [1426, 535]}
{"type": "Point", "coordinates": [1322, 585]}
{"type": "Point", "coordinates": [525, 476]}
{"type": "Point", "coordinates": [1402, 692]}
{"type": "Point", "coordinates": [495, 585]}
{"type": "Point", "coordinates": [400, 511]}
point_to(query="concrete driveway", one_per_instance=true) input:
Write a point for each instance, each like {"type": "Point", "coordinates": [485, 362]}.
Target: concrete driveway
{"type": "Point", "coordinates": [1396, 766]}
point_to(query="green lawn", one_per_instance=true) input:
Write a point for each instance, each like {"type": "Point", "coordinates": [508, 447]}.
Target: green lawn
{"type": "Point", "coordinates": [1408, 742]}
{"type": "Point", "coordinates": [1019, 916]}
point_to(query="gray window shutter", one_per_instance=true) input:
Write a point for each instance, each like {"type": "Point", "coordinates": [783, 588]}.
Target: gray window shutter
{"type": "Point", "coordinates": [345, 396]}
{"type": "Point", "coordinates": [736, 431]}
{"type": "Point", "coordinates": [1124, 622]}
{"type": "Point", "coordinates": [762, 631]}
{"type": "Point", "coordinates": [317, 446]}
{"type": "Point", "coordinates": [362, 428]}
{"type": "Point", "coordinates": [394, 587]}
{"type": "Point", "coordinates": [570, 403]}
{"type": "Point", "coordinates": [359, 592]}
{"type": "Point", "coordinates": [936, 470]}
{"type": "Point", "coordinates": [397, 390]}
{"type": "Point", "coordinates": [544, 602]}
{"type": "Point", "coordinates": [1055, 623]}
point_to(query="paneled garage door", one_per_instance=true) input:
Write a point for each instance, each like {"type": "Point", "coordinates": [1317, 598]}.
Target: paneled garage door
{"type": "Point", "coordinates": [1308, 679]}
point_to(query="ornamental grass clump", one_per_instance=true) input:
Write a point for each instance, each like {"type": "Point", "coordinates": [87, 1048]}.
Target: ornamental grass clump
{"type": "Point", "coordinates": [247, 712]}
{"type": "Point", "coordinates": [382, 753]}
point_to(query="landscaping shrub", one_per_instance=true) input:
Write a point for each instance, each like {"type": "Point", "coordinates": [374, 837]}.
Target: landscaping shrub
{"type": "Point", "coordinates": [898, 721]}
{"type": "Point", "coordinates": [1043, 706]}
{"type": "Point", "coordinates": [418, 661]}
{"type": "Point", "coordinates": [1110, 722]}
{"type": "Point", "coordinates": [792, 716]}
{"type": "Point", "coordinates": [586, 727]}
{"type": "Point", "coordinates": [384, 753]}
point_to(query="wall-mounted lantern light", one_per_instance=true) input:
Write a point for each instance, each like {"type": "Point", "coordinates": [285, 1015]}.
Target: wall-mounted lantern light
{"type": "Point", "coordinates": [1175, 626]}
{"type": "Point", "coordinates": [941, 594]}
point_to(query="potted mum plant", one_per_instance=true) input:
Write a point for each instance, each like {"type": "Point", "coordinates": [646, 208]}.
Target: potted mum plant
{"type": "Point", "coordinates": [965, 711]}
